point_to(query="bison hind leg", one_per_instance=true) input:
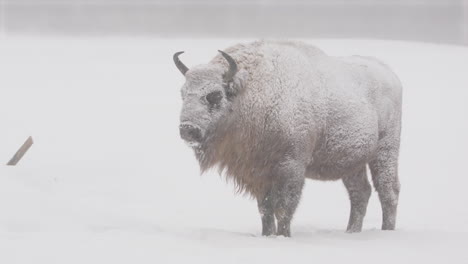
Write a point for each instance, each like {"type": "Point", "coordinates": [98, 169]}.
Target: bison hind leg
{"type": "Point", "coordinates": [359, 191]}
{"type": "Point", "coordinates": [384, 170]}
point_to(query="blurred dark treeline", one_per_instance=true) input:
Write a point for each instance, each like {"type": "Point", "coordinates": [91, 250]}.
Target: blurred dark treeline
{"type": "Point", "coordinates": [440, 21]}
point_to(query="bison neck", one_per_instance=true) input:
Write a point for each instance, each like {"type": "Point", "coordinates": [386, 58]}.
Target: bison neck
{"type": "Point", "coordinates": [243, 154]}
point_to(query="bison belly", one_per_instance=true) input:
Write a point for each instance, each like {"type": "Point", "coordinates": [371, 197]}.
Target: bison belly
{"type": "Point", "coordinates": [346, 146]}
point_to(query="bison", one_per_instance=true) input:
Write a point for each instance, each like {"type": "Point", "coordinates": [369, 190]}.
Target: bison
{"type": "Point", "coordinates": [269, 114]}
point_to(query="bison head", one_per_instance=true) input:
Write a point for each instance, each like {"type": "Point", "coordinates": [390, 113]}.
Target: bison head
{"type": "Point", "coordinates": [207, 95]}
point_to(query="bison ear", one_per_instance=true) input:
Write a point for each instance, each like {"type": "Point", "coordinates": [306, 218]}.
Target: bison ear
{"type": "Point", "coordinates": [237, 84]}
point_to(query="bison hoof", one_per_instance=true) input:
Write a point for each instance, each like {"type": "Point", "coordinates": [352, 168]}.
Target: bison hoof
{"type": "Point", "coordinates": [353, 230]}
{"type": "Point", "coordinates": [286, 232]}
{"type": "Point", "coordinates": [270, 233]}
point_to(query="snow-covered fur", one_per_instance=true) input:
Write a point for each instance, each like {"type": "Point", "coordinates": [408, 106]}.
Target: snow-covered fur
{"type": "Point", "coordinates": [292, 112]}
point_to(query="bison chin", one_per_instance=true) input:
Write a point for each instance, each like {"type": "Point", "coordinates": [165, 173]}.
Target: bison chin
{"type": "Point", "coordinates": [191, 134]}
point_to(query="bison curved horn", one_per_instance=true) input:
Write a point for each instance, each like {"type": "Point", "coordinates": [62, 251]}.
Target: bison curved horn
{"type": "Point", "coordinates": [182, 68]}
{"type": "Point", "coordinates": [232, 66]}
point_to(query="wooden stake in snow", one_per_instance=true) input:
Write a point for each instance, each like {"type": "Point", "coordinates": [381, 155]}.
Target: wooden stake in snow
{"type": "Point", "coordinates": [21, 151]}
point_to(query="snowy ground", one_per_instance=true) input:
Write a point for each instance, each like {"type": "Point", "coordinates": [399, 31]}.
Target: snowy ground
{"type": "Point", "coordinates": [109, 181]}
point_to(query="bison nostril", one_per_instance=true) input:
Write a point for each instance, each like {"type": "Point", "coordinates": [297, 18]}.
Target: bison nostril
{"type": "Point", "coordinates": [190, 133]}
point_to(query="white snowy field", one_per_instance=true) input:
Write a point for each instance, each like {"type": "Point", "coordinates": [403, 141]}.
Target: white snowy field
{"type": "Point", "coordinates": [109, 181]}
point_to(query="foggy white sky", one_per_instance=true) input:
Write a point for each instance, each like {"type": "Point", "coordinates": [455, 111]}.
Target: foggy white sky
{"type": "Point", "coordinates": [440, 21]}
{"type": "Point", "coordinates": [369, 2]}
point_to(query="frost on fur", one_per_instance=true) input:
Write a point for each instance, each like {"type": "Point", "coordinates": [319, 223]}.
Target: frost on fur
{"type": "Point", "coordinates": [270, 114]}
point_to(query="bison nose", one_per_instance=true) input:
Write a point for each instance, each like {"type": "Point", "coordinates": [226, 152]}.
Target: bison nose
{"type": "Point", "coordinates": [190, 133]}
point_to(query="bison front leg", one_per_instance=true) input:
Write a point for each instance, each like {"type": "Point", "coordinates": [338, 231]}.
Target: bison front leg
{"type": "Point", "coordinates": [266, 209]}
{"type": "Point", "coordinates": [359, 191]}
{"type": "Point", "coordinates": [288, 190]}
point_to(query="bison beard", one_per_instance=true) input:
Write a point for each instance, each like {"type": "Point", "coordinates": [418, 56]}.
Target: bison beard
{"type": "Point", "coordinates": [290, 112]}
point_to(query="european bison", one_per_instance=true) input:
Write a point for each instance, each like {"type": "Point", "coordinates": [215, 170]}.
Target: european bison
{"type": "Point", "coordinates": [270, 114]}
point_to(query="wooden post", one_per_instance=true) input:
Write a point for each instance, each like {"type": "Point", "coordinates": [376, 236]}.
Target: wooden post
{"type": "Point", "coordinates": [21, 151]}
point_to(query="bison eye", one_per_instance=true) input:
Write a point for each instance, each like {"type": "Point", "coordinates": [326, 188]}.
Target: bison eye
{"type": "Point", "coordinates": [214, 97]}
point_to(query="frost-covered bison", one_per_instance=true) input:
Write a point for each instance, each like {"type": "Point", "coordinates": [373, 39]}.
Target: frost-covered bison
{"type": "Point", "coordinates": [270, 114]}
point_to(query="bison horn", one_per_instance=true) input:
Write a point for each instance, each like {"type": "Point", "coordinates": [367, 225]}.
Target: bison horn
{"type": "Point", "coordinates": [232, 66]}
{"type": "Point", "coordinates": [182, 68]}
